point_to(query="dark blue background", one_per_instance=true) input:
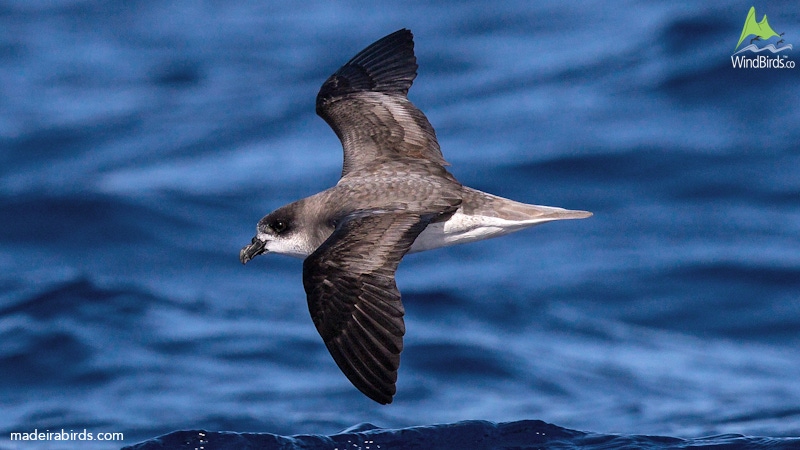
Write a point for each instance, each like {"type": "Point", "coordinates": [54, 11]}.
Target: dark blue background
{"type": "Point", "coordinates": [141, 141]}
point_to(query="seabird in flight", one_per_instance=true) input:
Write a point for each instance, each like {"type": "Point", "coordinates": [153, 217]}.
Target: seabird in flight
{"type": "Point", "coordinates": [394, 197]}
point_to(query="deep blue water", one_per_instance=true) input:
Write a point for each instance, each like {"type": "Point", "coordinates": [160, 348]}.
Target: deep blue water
{"type": "Point", "coordinates": [141, 141]}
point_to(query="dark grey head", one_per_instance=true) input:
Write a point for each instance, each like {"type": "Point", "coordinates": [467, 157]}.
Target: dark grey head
{"type": "Point", "coordinates": [279, 232]}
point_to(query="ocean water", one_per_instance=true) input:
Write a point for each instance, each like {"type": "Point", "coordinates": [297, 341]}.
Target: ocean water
{"type": "Point", "coordinates": [141, 141]}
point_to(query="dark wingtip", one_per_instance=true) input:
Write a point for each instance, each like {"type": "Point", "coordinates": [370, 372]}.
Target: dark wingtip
{"type": "Point", "coordinates": [380, 397]}
{"type": "Point", "coordinates": [387, 65]}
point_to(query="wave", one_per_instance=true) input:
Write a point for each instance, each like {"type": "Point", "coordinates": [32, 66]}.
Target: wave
{"type": "Point", "coordinates": [771, 47]}
{"type": "Point", "coordinates": [473, 435]}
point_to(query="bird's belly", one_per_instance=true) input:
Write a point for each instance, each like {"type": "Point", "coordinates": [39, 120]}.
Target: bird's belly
{"type": "Point", "coordinates": [462, 228]}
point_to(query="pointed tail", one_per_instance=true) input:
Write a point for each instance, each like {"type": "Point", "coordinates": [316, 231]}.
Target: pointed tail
{"type": "Point", "coordinates": [488, 205]}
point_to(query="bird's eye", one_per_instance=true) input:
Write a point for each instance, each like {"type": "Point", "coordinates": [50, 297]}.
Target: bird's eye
{"type": "Point", "coordinates": [278, 226]}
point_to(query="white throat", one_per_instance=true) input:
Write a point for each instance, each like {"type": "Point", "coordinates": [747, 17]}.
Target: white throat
{"type": "Point", "coordinates": [294, 245]}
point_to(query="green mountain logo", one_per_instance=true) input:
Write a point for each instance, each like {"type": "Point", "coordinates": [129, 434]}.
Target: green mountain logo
{"type": "Point", "coordinates": [761, 30]}
{"type": "Point", "coordinates": [749, 57]}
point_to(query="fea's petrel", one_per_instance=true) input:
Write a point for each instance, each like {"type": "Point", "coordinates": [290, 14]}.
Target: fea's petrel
{"type": "Point", "coordinates": [394, 197]}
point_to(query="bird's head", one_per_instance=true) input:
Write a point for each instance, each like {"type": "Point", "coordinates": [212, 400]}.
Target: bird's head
{"type": "Point", "coordinates": [277, 232]}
